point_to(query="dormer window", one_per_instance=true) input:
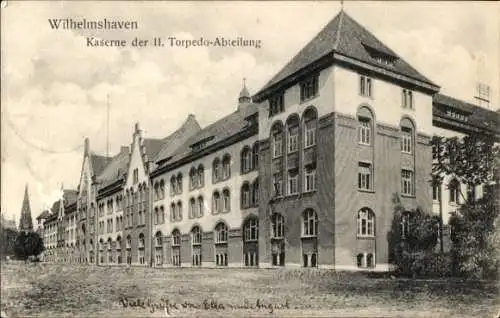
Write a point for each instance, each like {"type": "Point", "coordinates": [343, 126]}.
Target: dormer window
{"type": "Point", "coordinates": [276, 104]}
{"type": "Point", "coordinates": [456, 115]}
{"type": "Point", "coordinates": [309, 88]}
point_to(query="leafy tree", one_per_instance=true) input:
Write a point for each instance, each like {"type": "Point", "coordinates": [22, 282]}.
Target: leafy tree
{"type": "Point", "coordinates": [474, 160]}
{"type": "Point", "coordinates": [7, 241]}
{"type": "Point", "coordinates": [475, 237]}
{"type": "Point", "coordinates": [412, 238]}
{"type": "Point", "coordinates": [28, 244]}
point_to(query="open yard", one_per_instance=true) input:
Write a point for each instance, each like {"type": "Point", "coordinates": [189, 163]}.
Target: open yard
{"type": "Point", "coordinates": [84, 291]}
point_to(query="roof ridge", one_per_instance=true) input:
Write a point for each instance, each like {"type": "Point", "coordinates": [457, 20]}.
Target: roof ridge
{"type": "Point", "coordinates": [337, 36]}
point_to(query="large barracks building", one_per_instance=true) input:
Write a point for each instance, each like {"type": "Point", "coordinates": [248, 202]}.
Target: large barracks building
{"type": "Point", "coordinates": [301, 174]}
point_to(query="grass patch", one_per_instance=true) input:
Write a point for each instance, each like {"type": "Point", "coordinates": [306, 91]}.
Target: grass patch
{"type": "Point", "coordinates": [85, 291]}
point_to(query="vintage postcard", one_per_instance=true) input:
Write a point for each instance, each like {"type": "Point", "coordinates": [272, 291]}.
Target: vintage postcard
{"type": "Point", "coordinates": [250, 159]}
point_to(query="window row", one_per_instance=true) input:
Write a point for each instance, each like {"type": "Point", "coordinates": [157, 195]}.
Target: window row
{"type": "Point", "coordinates": [292, 187]}
{"type": "Point", "coordinates": [365, 131]}
{"type": "Point", "coordinates": [291, 132]}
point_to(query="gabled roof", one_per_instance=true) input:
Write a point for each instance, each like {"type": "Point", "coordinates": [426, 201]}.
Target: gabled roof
{"type": "Point", "coordinates": [220, 130]}
{"type": "Point", "coordinates": [116, 168]}
{"type": "Point", "coordinates": [171, 143]}
{"type": "Point", "coordinates": [345, 36]}
{"type": "Point", "coordinates": [98, 163]}
{"type": "Point", "coordinates": [478, 116]}
{"type": "Point", "coordinates": [45, 214]}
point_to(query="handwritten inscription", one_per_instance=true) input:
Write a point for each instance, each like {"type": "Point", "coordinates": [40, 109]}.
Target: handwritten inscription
{"type": "Point", "coordinates": [167, 305]}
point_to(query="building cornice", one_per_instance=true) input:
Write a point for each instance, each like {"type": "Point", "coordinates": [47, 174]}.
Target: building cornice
{"type": "Point", "coordinates": [343, 60]}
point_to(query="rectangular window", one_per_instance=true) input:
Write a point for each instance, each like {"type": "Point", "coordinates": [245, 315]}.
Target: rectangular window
{"type": "Point", "coordinates": [406, 140]}
{"type": "Point", "coordinates": [278, 184]}
{"type": "Point", "coordinates": [407, 182]}
{"type": "Point", "coordinates": [309, 179]}
{"type": "Point", "coordinates": [310, 133]}
{"type": "Point", "coordinates": [436, 192]}
{"type": "Point", "coordinates": [407, 98]}
{"type": "Point", "coordinates": [365, 131]}
{"type": "Point", "coordinates": [293, 182]}
{"type": "Point", "coordinates": [365, 86]}
{"type": "Point", "coordinates": [309, 88]}
{"type": "Point", "coordinates": [277, 145]}
{"type": "Point", "coordinates": [276, 104]}
{"type": "Point", "coordinates": [293, 139]}
{"type": "Point", "coordinates": [364, 176]}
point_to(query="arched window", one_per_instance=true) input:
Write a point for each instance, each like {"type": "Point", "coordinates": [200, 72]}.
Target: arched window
{"type": "Point", "coordinates": [176, 249]}
{"type": "Point", "coordinates": [365, 126]}
{"type": "Point", "coordinates": [217, 173]}
{"type": "Point", "coordinates": [369, 260]}
{"type": "Point", "coordinates": [407, 136]}
{"type": "Point", "coordinates": [162, 214]}
{"type": "Point", "coordinates": [158, 239]}
{"type": "Point", "coordinates": [292, 132]}
{"type": "Point", "coordinates": [359, 259]}
{"type": "Point", "coordinates": [141, 241]}
{"type": "Point", "coordinates": [129, 241]}
{"type": "Point", "coordinates": [255, 155]}
{"type": "Point", "coordinates": [179, 210]}
{"type": "Point", "coordinates": [221, 232]}
{"type": "Point", "coordinates": [255, 193]}
{"type": "Point", "coordinates": [156, 193]}
{"type": "Point", "coordinates": [226, 200]}
{"type": "Point", "coordinates": [176, 237]}
{"type": "Point", "coordinates": [226, 167]}
{"type": "Point", "coordinates": [179, 182]}
{"type": "Point", "coordinates": [277, 140]}
{"type": "Point", "coordinates": [310, 225]}
{"type": "Point", "coordinates": [310, 127]}
{"type": "Point", "coordinates": [201, 176]}
{"type": "Point", "coordinates": [245, 195]}
{"type": "Point", "coordinates": [173, 212]}
{"type": "Point", "coordinates": [454, 188]}
{"type": "Point", "coordinates": [246, 160]}
{"type": "Point", "coordinates": [217, 207]}
{"type": "Point", "coordinates": [192, 208]}
{"type": "Point", "coordinates": [278, 225]}
{"type": "Point", "coordinates": [156, 216]}
{"type": "Point", "coordinates": [196, 235]}
{"type": "Point", "coordinates": [193, 178]}
{"type": "Point", "coordinates": [201, 206]}
{"type": "Point", "coordinates": [251, 230]}
{"type": "Point", "coordinates": [366, 222]}
{"type": "Point", "coordinates": [173, 186]}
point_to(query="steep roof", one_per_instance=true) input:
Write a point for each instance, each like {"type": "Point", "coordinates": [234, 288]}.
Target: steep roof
{"type": "Point", "coordinates": [99, 163]}
{"type": "Point", "coordinates": [478, 116]}
{"type": "Point", "coordinates": [116, 168]}
{"type": "Point", "coordinates": [345, 36]}
{"type": "Point", "coordinates": [45, 214]}
{"type": "Point", "coordinates": [216, 132]}
{"type": "Point", "coordinates": [26, 222]}
{"type": "Point", "coordinates": [190, 128]}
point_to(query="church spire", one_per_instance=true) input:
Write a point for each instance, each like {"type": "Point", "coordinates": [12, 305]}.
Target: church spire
{"type": "Point", "coordinates": [26, 222]}
{"type": "Point", "coordinates": [244, 97]}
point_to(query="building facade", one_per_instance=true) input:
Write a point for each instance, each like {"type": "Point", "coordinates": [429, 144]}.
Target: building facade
{"type": "Point", "coordinates": [303, 174]}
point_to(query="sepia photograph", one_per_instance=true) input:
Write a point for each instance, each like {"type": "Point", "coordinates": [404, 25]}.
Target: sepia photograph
{"type": "Point", "coordinates": [250, 159]}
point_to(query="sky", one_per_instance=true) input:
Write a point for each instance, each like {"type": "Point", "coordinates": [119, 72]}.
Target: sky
{"type": "Point", "coordinates": [55, 89]}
